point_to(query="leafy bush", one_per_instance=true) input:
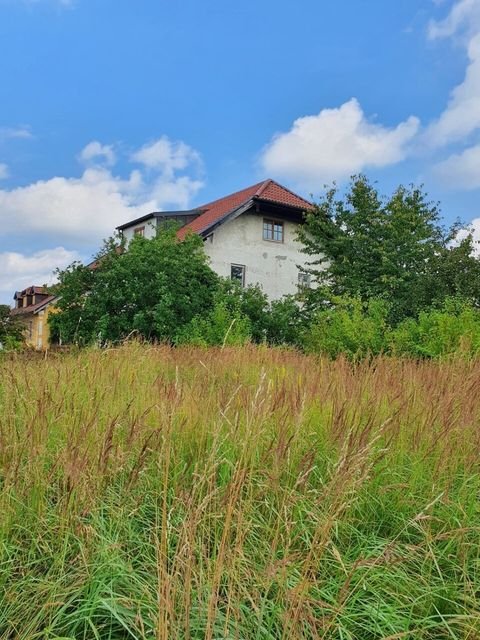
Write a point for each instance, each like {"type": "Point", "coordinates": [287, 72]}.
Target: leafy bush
{"type": "Point", "coordinates": [452, 329]}
{"type": "Point", "coordinates": [220, 327]}
{"type": "Point", "coordinates": [351, 327]}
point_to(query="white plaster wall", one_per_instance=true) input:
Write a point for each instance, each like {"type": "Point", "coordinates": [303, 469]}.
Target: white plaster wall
{"type": "Point", "coordinates": [272, 265]}
{"type": "Point", "coordinates": [150, 230]}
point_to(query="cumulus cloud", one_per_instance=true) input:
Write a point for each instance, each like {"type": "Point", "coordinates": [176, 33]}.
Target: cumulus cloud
{"type": "Point", "coordinates": [462, 114]}
{"type": "Point", "coordinates": [87, 208]}
{"type": "Point", "coordinates": [461, 117]}
{"type": "Point", "coordinates": [167, 156]}
{"type": "Point", "coordinates": [18, 270]}
{"type": "Point", "coordinates": [334, 144]}
{"type": "Point", "coordinates": [95, 151]}
{"type": "Point", "coordinates": [464, 14]}
{"type": "Point", "coordinates": [460, 170]}
{"type": "Point", "coordinates": [4, 172]}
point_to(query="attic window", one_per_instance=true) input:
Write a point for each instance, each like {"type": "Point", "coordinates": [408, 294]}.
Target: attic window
{"type": "Point", "coordinates": [273, 230]}
{"type": "Point", "coordinates": [139, 231]}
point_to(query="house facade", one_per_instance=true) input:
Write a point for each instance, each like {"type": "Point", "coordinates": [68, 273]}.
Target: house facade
{"type": "Point", "coordinates": [249, 236]}
{"type": "Point", "coordinates": [32, 308]}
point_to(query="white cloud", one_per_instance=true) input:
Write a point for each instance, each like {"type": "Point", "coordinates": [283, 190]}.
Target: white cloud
{"type": "Point", "coordinates": [167, 156]}
{"type": "Point", "coordinates": [461, 117]}
{"type": "Point", "coordinates": [462, 114]}
{"type": "Point", "coordinates": [460, 170]}
{"type": "Point", "coordinates": [22, 132]}
{"type": "Point", "coordinates": [464, 14]}
{"type": "Point", "coordinates": [334, 144]}
{"type": "Point", "coordinates": [18, 270]}
{"type": "Point", "coordinates": [4, 172]}
{"type": "Point", "coordinates": [88, 208]}
{"type": "Point", "coordinates": [95, 150]}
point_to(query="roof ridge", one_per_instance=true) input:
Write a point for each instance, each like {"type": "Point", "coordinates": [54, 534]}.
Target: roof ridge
{"type": "Point", "coordinates": [265, 184]}
{"type": "Point", "coordinates": [231, 195]}
{"type": "Point", "coordinates": [271, 181]}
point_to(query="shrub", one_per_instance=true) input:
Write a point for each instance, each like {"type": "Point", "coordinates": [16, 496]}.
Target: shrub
{"type": "Point", "coordinates": [351, 327]}
{"type": "Point", "coordinates": [220, 327]}
{"type": "Point", "coordinates": [452, 329]}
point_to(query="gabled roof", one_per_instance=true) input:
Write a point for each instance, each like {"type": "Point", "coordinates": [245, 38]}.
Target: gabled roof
{"type": "Point", "coordinates": [267, 190]}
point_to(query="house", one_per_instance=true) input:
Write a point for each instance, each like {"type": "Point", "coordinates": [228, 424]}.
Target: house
{"type": "Point", "coordinates": [249, 236]}
{"type": "Point", "coordinates": [32, 307]}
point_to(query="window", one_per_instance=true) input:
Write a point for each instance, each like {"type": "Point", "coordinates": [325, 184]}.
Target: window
{"type": "Point", "coordinates": [273, 230]}
{"type": "Point", "coordinates": [303, 280]}
{"type": "Point", "coordinates": [139, 231]}
{"type": "Point", "coordinates": [237, 272]}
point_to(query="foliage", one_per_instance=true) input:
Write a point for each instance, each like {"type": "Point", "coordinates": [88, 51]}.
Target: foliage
{"type": "Point", "coordinates": [453, 272]}
{"type": "Point", "coordinates": [249, 303]}
{"type": "Point", "coordinates": [152, 290]}
{"type": "Point", "coordinates": [11, 330]}
{"type": "Point", "coordinates": [351, 327]}
{"type": "Point", "coordinates": [220, 327]}
{"type": "Point", "coordinates": [452, 329]}
{"type": "Point", "coordinates": [368, 246]}
{"type": "Point", "coordinates": [287, 321]}
{"type": "Point", "coordinates": [150, 492]}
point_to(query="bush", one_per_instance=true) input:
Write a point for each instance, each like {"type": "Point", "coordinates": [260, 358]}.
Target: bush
{"type": "Point", "coordinates": [452, 329]}
{"type": "Point", "coordinates": [351, 327]}
{"type": "Point", "coordinates": [220, 327]}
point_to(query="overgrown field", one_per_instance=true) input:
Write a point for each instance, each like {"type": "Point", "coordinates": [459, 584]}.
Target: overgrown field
{"type": "Point", "coordinates": [149, 492]}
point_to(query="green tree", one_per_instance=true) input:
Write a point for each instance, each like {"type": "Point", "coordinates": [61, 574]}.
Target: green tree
{"type": "Point", "coordinates": [151, 289]}
{"type": "Point", "coordinates": [368, 246]}
{"type": "Point", "coordinates": [453, 272]}
{"type": "Point", "coordinates": [11, 330]}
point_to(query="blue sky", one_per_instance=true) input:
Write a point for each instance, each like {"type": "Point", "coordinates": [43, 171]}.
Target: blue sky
{"type": "Point", "coordinates": [112, 108]}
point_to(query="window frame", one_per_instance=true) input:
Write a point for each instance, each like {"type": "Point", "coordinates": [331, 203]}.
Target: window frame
{"type": "Point", "coordinates": [307, 284]}
{"type": "Point", "coordinates": [243, 268]}
{"type": "Point", "coordinates": [273, 222]}
{"type": "Point", "coordinates": [139, 231]}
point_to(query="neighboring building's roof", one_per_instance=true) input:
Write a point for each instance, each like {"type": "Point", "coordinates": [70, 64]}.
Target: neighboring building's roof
{"type": "Point", "coordinates": [33, 308]}
{"type": "Point", "coordinates": [29, 291]}
{"type": "Point", "coordinates": [267, 190]}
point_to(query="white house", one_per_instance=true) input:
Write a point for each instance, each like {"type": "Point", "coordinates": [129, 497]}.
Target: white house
{"type": "Point", "coordinates": [249, 235]}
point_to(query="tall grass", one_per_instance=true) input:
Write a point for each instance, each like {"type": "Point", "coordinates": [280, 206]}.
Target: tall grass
{"type": "Point", "coordinates": [149, 492]}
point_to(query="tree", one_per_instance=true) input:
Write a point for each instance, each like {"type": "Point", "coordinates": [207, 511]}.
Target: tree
{"type": "Point", "coordinates": [151, 289]}
{"type": "Point", "coordinates": [11, 331]}
{"type": "Point", "coordinates": [454, 272]}
{"type": "Point", "coordinates": [368, 246]}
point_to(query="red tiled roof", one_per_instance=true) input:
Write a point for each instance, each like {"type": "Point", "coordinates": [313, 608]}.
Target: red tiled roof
{"type": "Point", "coordinates": [265, 190]}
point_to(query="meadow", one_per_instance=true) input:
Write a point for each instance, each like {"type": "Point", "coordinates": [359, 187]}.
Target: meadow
{"type": "Point", "coordinates": [240, 493]}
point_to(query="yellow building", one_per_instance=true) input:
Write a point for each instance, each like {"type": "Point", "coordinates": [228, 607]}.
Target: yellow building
{"type": "Point", "coordinates": [32, 307]}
